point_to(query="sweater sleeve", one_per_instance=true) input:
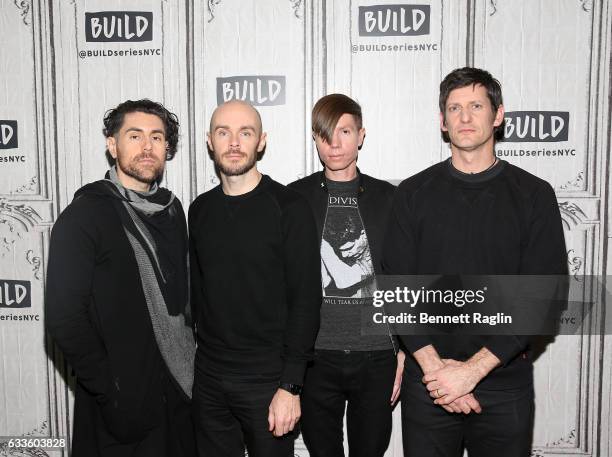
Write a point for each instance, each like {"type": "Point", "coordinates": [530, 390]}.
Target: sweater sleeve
{"type": "Point", "coordinates": [68, 300]}
{"type": "Point", "coordinates": [302, 260]}
{"type": "Point", "coordinates": [400, 254]}
{"type": "Point", "coordinates": [544, 253]}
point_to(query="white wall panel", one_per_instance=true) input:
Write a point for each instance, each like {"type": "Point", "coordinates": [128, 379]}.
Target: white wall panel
{"type": "Point", "coordinates": [26, 213]}
{"type": "Point", "coordinates": [20, 100]}
{"type": "Point", "coordinates": [546, 55]}
{"type": "Point", "coordinates": [93, 77]}
{"type": "Point", "coordinates": [395, 84]}
{"type": "Point", "coordinates": [254, 39]}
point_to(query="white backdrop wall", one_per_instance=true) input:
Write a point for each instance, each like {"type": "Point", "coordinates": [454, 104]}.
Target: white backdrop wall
{"type": "Point", "coordinates": [60, 69]}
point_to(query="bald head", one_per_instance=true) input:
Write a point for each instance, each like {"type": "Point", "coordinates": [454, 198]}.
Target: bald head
{"type": "Point", "coordinates": [233, 110]}
{"type": "Point", "coordinates": [235, 139]}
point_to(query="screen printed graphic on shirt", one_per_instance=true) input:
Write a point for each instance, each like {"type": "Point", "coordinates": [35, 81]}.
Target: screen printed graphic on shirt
{"type": "Point", "coordinates": [346, 263]}
{"type": "Point", "coordinates": [347, 274]}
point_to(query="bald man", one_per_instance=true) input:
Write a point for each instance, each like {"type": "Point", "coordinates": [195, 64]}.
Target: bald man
{"type": "Point", "coordinates": [256, 292]}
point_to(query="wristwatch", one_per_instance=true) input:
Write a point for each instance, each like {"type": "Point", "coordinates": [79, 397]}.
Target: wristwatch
{"type": "Point", "coordinates": [294, 389]}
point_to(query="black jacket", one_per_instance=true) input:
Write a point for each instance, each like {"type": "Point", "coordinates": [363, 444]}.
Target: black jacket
{"type": "Point", "coordinates": [374, 199]}
{"type": "Point", "coordinates": [96, 312]}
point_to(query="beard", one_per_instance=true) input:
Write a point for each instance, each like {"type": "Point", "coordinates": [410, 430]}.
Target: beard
{"type": "Point", "coordinates": [236, 169]}
{"type": "Point", "coordinates": [145, 173]}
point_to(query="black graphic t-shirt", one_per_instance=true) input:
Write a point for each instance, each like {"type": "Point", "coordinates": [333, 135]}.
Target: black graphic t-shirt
{"type": "Point", "coordinates": [347, 274]}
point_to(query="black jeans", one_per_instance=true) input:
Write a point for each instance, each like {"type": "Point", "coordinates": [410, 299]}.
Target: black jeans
{"type": "Point", "coordinates": [503, 429]}
{"type": "Point", "coordinates": [365, 381]}
{"type": "Point", "coordinates": [231, 412]}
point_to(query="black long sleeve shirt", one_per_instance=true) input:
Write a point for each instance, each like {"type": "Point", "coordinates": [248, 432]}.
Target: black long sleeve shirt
{"type": "Point", "coordinates": [503, 221]}
{"type": "Point", "coordinates": [256, 287]}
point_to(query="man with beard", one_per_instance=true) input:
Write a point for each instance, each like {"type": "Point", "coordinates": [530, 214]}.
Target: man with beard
{"type": "Point", "coordinates": [256, 291]}
{"type": "Point", "coordinates": [117, 296]}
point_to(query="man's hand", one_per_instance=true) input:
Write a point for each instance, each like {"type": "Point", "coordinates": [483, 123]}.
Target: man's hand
{"type": "Point", "coordinates": [428, 359]}
{"type": "Point", "coordinates": [450, 382]}
{"type": "Point", "coordinates": [431, 363]}
{"type": "Point", "coordinates": [399, 373]}
{"type": "Point", "coordinates": [284, 412]}
{"type": "Point", "coordinates": [457, 379]}
{"type": "Point", "coordinates": [465, 405]}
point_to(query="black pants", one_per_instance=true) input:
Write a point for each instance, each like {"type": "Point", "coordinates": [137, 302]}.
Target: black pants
{"type": "Point", "coordinates": [503, 429]}
{"type": "Point", "coordinates": [231, 412]}
{"type": "Point", "coordinates": [365, 381]}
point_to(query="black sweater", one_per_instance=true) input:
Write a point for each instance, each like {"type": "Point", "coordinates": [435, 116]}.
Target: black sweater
{"type": "Point", "coordinates": [504, 221]}
{"type": "Point", "coordinates": [256, 286]}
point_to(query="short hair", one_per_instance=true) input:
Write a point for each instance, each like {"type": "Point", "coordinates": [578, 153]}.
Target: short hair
{"type": "Point", "coordinates": [329, 109]}
{"type": "Point", "coordinates": [470, 76]}
{"type": "Point", "coordinates": [113, 121]}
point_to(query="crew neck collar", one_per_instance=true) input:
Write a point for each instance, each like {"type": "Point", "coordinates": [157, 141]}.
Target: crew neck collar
{"type": "Point", "coordinates": [480, 177]}
{"type": "Point", "coordinates": [342, 185]}
{"type": "Point", "coordinates": [263, 182]}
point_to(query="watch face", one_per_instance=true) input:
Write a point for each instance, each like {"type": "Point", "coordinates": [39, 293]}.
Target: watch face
{"type": "Point", "coordinates": [292, 388]}
{"type": "Point", "coordinates": [296, 390]}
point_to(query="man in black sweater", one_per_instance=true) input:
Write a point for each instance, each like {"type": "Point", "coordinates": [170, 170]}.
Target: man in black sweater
{"type": "Point", "coordinates": [359, 373]}
{"type": "Point", "coordinates": [256, 295]}
{"type": "Point", "coordinates": [472, 214]}
{"type": "Point", "coordinates": [117, 297]}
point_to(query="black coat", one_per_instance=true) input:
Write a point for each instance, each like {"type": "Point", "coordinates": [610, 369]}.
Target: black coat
{"type": "Point", "coordinates": [374, 201]}
{"type": "Point", "coordinates": [97, 314]}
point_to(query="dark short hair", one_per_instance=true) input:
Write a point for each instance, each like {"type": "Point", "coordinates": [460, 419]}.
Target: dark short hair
{"type": "Point", "coordinates": [329, 109]}
{"type": "Point", "coordinates": [113, 121]}
{"type": "Point", "coordinates": [470, 76]}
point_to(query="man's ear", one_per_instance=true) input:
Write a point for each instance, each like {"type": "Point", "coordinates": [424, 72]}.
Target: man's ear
{"type": "Point", "coordinates": [361, 134]}
{"type": "Point", "coordinates": [208, 141]}
{"type": "Point", "coordinates": [443, 123]}
{"type": "Point", "coordinates": [499, 116]}
{"type": "Point", "coordinates": [111, 145]}
{"type": "Point", "coordinates": [262, 142]}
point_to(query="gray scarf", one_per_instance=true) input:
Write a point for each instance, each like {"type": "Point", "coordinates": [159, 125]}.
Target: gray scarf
{"type": "Point", "coordinates": [173, 333]}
